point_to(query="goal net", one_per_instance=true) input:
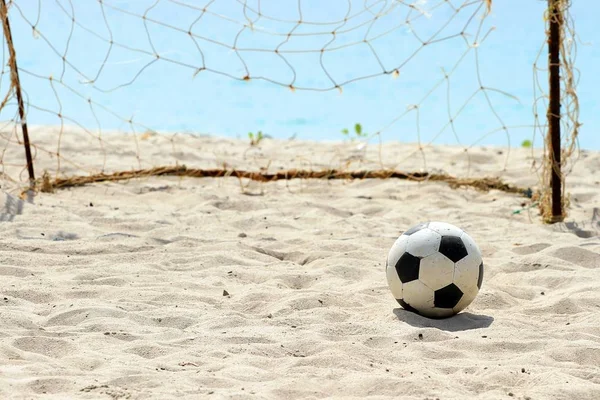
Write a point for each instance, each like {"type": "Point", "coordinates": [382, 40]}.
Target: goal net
{"type": "Point", "coordinates": [150, 87]}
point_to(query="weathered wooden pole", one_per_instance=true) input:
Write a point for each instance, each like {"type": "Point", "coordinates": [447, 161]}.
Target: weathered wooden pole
{"type": "Point", "coordinates": [16, 84]}
{"type": "Point", "coordinates": [555, 20]}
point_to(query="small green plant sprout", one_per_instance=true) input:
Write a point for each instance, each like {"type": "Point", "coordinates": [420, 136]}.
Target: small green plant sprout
{"type": "Point", "coordinates": [358, 132]}
{"type": "Point", "coordinates": [526, 144]}
{"type": "Point", "coordinates": [255, 140]}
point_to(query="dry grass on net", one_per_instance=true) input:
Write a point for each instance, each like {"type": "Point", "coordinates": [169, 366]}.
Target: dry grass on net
{"type": "Point", "coordinates": [483, 184]}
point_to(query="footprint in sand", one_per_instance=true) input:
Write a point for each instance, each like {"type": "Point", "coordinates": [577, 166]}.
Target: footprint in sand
{"type": "Point", "coordinates": [579, 256]}
{"type": "Point", "coordinates": [10, 208]}
{"type": "Point", "coordinates": [533, 248]}
{"type": "Point", "coordinates": [50, 385]}
{"type": "Point", "coordinates": [49, 347]}
{"type": "Point", "coordinates": [149, 352]}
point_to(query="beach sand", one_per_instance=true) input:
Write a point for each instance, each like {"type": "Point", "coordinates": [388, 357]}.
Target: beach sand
{"type": "Point", "coordinates": [164, 288]}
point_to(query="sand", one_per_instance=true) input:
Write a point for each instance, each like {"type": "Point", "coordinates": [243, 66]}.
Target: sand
{"type": "Point", "coordinates": [165, 288]}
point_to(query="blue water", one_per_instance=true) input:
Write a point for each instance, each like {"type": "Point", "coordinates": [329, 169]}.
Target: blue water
{"type": "Point", "coordinates": [166, 96]}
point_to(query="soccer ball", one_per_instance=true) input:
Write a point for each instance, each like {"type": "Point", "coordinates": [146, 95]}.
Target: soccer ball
{"type": "Point", "coordinates": [434, 269]}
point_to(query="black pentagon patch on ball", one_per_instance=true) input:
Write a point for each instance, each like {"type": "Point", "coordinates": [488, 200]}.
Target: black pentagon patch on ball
{"type": "Point", "coordinates": [453, 248]}
{"type": "Point", "coordinates": [406, 306]}
{"type": "Point", "coordinates": [480, 279]}
{"type": "Point", "coordinates": [407, 268]}
{"type": "Point", "coordinates": [416, 228]}
{"type": "Point", "coordinates": [447, 297]}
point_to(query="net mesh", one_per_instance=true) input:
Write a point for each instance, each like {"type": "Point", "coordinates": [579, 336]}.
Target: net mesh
{"type": "Point", "coordinates": [84, 58]}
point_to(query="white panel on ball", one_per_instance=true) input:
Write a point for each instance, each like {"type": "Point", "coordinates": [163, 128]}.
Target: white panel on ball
{"type": "Point", "coordinates": [417, 295]}
{"type": "Point", "coordinates": [444, 228]}
{"type": "Point", "coordinates": [423, 243]}
{"type": "Point", "coordinates": [436, 271]}
{"type": "Point", "coordinates": [466, 273]}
